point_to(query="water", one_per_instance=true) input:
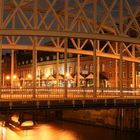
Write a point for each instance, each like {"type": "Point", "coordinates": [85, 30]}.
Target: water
{"type": "Point", "coordinates": [66, 131]}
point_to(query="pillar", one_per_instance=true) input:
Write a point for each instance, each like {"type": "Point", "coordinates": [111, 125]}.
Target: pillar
{"type": "Point", "coordinates": [116, 73]}
{"type": "Point", "coordinates": [78, 70]}
{"type": "Point", "coordinates": [34, 68]}
{"type": "Point", "coordinates": [98, 72]}
{"type": "Point", "coordinates": [65, 65]}
{"type": "Point", "coordinates": [1, 21]}
{"type": "Point", "coordinates": [94, 69]}
{"type": "Point", "coordinates": [121, 70]}
{"type": "Point", "coordinates": [65, 47]}
{"type": "Point", "coordinates": [116, 67]}
{"type": "Point", "coordinates": [12, 67]}
{"type": "Point", "coordinates": [57, 68]}
{"type": "Point", "coordinates": [133, 69]}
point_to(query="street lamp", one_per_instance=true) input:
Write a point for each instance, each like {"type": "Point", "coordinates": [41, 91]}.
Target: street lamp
{"type": "Point", "coordinates": [7, 77]}
{"type": "Point", "coordinates": [29, 76]}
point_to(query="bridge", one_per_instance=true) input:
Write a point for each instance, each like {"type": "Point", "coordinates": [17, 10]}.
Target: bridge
{"type": "Point", "coordinates": [110, 28]}
{"type": "Point", "coordinates": [55, 98]}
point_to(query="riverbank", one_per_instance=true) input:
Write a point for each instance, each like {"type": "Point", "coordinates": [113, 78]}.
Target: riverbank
{"type": "Point", "coordinates": [118, 119]}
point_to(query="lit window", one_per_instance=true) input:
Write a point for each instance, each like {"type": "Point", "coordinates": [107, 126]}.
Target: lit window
{"type": "Point", "coordinates": [47, 58]}
{"type": "Point", "coordinates": [41, 58]}
{"type": "Point", "coordinates": [70, 69]}
{"type": "Point", "coordinates": [110, 64]}
{"type": "Point", "coordinates": [26, 61]}
{"type": "Point", "coordinates": [23, 62]}
{"type": "Point", "coordinates": [123, 75]}
{"type": "Point", "coordinates": [91, 68]}
{"type": "Point", "coordinates": [103, 67]}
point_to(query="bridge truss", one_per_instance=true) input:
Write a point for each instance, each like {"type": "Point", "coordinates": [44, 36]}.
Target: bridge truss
{"type": "Point", "coordinates": [29, 24]}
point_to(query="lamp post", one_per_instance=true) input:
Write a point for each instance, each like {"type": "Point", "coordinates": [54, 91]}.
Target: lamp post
{"type": "Point", "coordinates": [7, 78]}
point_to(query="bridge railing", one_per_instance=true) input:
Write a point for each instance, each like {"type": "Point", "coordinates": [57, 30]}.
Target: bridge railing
{"type": "Point", "coordinates": [59, 93]}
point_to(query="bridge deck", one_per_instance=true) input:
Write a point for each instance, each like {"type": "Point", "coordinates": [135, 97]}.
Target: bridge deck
{"type": "Point", "coordinates": [56, 98]}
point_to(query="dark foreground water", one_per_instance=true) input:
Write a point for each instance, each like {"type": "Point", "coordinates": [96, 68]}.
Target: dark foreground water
{"type": "Point", "coordinates": [66, 131]}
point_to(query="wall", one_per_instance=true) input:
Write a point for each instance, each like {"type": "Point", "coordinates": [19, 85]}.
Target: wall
{"type": "Point", "coordinates": [125, 119]}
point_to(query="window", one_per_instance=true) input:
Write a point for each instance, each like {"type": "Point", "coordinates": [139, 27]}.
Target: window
{"type": "Point", "coordinates": [47, 58]}
{"type": "Point", "coordinates": [26, 61]}
{"type": "Point", "coordinates": [110, 64]}
{"type": "Point", "coordinates": [70, 55]}
{"type": "Point", "coordinates": [23, 62]}
{"type": "Point", "coordinates": [54, 57]}
{"type": "Point", "coordinates": [86, 67]}
{"type": "Point", "coordinates": [91, 68]}
{"type": "Point", "coordinates": [41, 58]}
{"type": "Point", "coordinates": [124, 63]}
{"type": "Point", "coordinates": [103, 67]}
{"type": "Point", "coordinates": [70, 70]}
{"type": "Point", "coordinates": [124, 75]}
{"type": "Point", "coordinates": [61, 56]}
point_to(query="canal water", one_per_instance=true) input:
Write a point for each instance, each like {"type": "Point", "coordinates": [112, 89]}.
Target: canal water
{"type": "Point", "coordinates": [67, 131]}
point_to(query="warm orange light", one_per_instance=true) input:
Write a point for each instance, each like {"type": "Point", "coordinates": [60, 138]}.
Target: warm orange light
{"type": "Point", "coordinates": [14, 77]}
{"type": "Point", "coordinates": [27, 123]}
{"type": "Point", "coordinates": [67, 74]}
{"type": "Point", "coordinates": [7, 77]}
{"type": "Point", "coordinates": [29, 76]}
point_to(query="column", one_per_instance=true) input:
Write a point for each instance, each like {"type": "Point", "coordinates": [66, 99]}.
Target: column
{"type": "Point", "coordinates": [65, 65]}
{"type": "Point", "coordinates": [121, 70]}
{"type": "Point", "coordinates": [66, 47]}
{"type": "Point", "coordinates": [133, 69]}
{"type": "Point", "coordinates": [94, 69]}
{"type": "Point", "coordinates": [34, 68]}
{"type": "Point", "coordinates": [57, 68]}
{"type": "Point", "coordinates": [78, 70]}
{"type": "Point", "coordinates": [98, 72]}
{"type": "Point", "coordinates": [116, 67]}
{"type": "Point", "coordinates": [116, 73]}
{"type": "Point", "coordinates": [1, 21]}
{"type": "Point", "coordinates": [12, 67]}
{"type": "Point", "coordinates": [133, 75]}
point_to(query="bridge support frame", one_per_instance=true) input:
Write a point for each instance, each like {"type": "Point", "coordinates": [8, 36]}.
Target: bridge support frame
{"type": "Point", "coordinates": [1, 22]}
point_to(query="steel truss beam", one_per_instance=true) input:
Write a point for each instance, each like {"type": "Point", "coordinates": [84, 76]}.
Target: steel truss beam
{"type": "Point", "coordinates": [74, 51]}
{"type": "Point", "coordinates": [49, 33]}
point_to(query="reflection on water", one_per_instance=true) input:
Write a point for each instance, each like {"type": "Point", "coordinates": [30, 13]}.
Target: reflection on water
{"type": "Point", "coordinates": [66, 131]}
{"type": "Point", "coordinates": [42, 132]}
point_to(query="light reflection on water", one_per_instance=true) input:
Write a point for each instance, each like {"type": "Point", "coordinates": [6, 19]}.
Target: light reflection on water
{"type": "Point", "coordinates": [42, 132]}
{"type": "Point", "coordinates": [67, 131]}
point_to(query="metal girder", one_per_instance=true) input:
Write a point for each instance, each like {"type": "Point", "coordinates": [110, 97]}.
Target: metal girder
{"type": "Point", "coordinates": [74, 51]}
{"type": "Point", "coordinates": [69, 35]}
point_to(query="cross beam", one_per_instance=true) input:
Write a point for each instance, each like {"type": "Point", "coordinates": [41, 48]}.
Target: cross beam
{"type": "Point", "coordinates": [69, 34]}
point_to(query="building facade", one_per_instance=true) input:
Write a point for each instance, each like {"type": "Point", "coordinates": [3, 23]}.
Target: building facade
{"type": "Point", "coordinates": [49, 74]}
